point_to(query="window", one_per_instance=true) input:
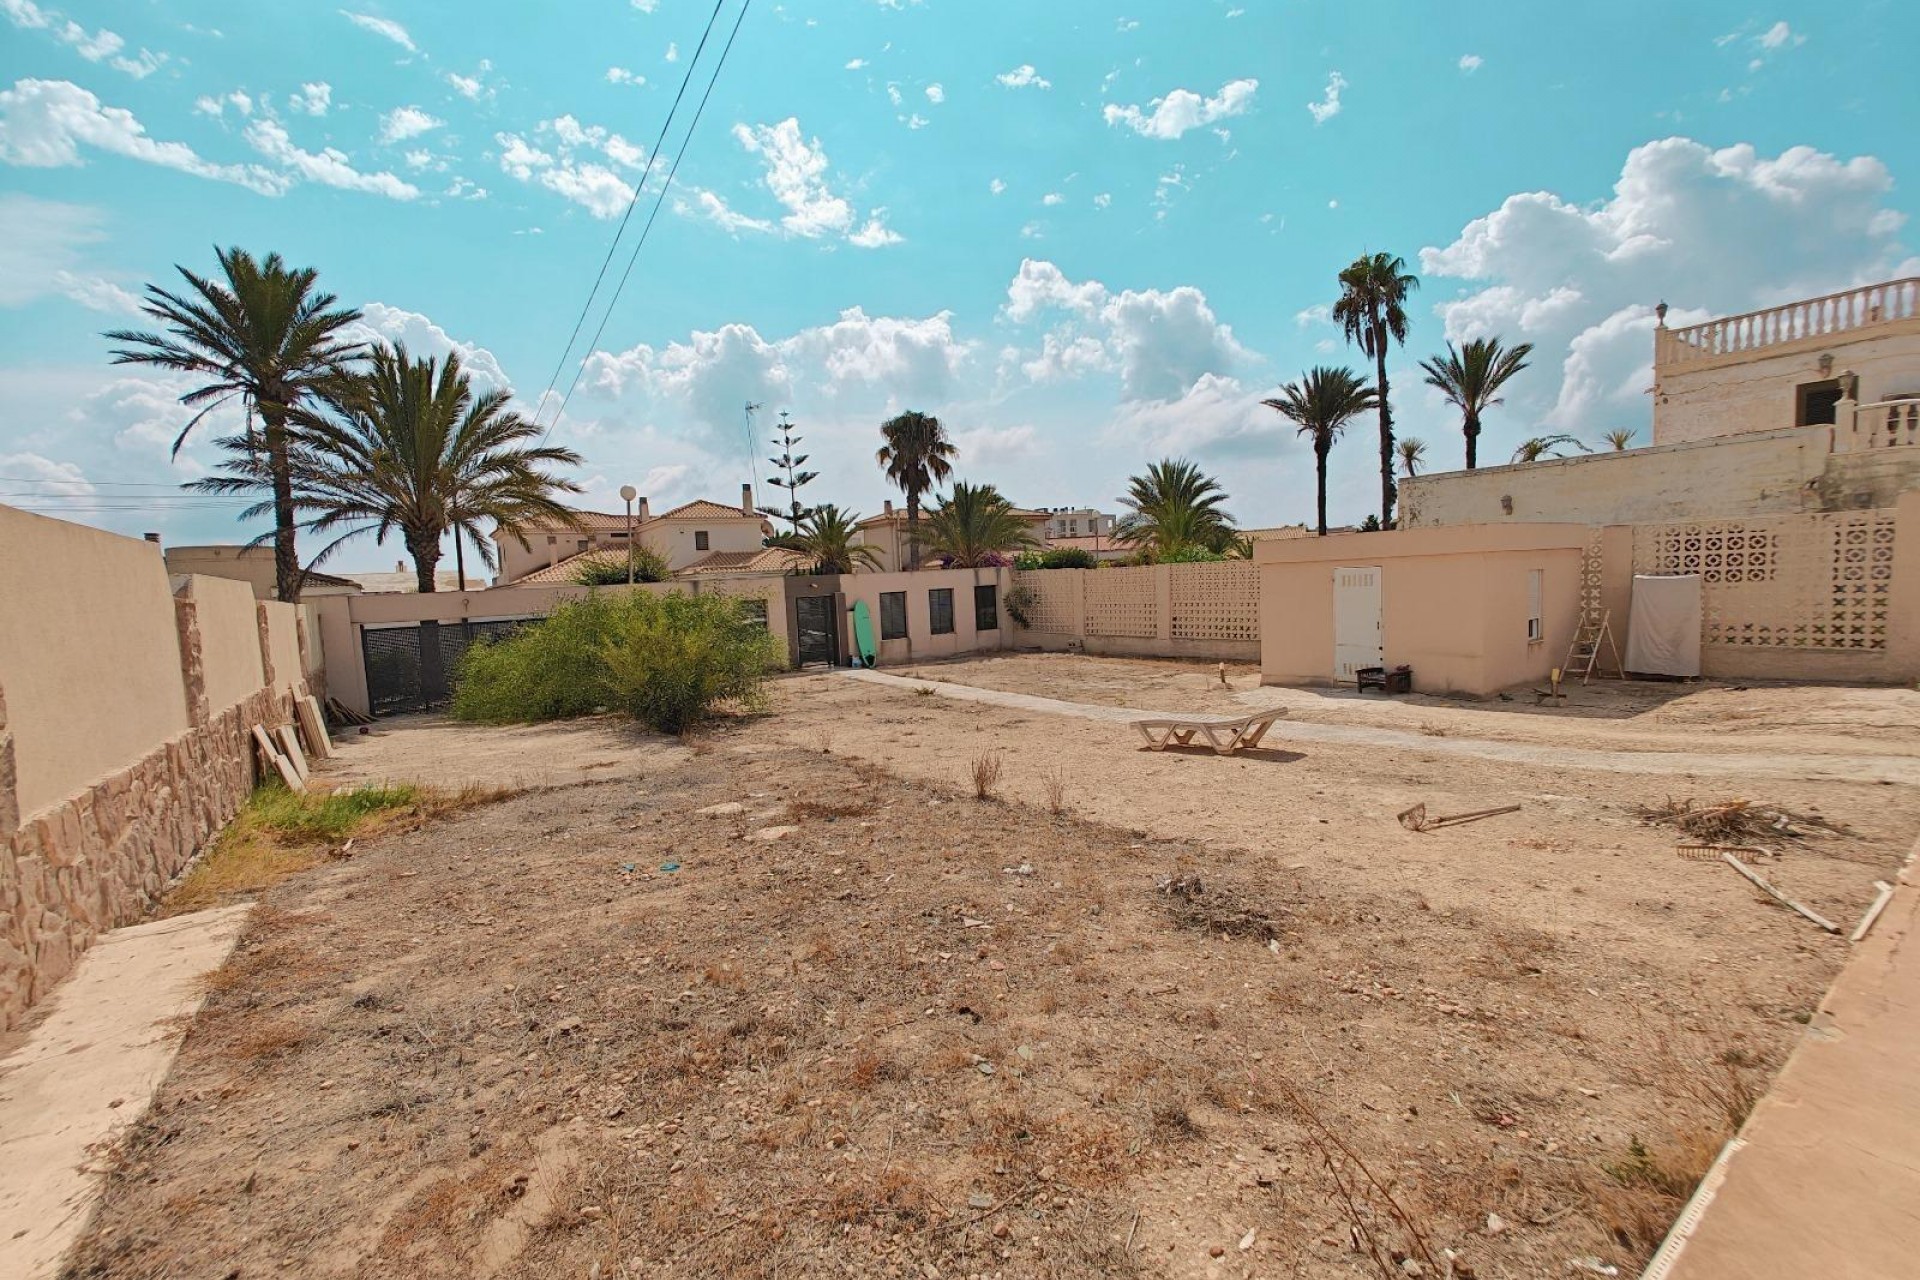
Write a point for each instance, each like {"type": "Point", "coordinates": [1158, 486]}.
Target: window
{"type": "Point", "coordinates": [1536, 624]}
{"type": "Point", "coordinates": [1814, 403]}
{"type": "Point", "coordinates": [986, 608]}
{"type": "Point", "coordinates": [700, 540]}
{"type": "Point", "coordinates": [940, 610]}
{"type": "Point", "coordinates": [754, 611]}
{"type": "Point", "coordinates": [893, 615]}
{"type": "Point", "coordinates": [617, 536]}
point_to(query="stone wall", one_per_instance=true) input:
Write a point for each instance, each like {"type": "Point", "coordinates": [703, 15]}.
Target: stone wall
{"type": "Point", "coordinates": [104, 857]}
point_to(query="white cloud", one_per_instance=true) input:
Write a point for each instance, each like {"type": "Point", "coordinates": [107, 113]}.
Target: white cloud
{"type": "Point", "coordinates": [1215, 415]}
{"type": "Point", "coordinates": [96, 46]}
{"type": "Point", "coordinates": [1710, 231]}
{"type": "Point", "coordinates": [893, 95]}
{"type": "Point", "coordinates": [1183, 110]}
{"type": "Point", "coordinates": [385, 28]}
{"type": "Point", "coordinates": [620, 75]}
{"type": "Point", "coordinates": [1778, 36]}
{"type": "Point", "coordinates": [329, 167]}
{"type": "Point", "coordinates": [1067, 356]}
{"type": "Point", "coordinates": [856, 64]}
{"type": "Point", "coordinates": [989, 446]}
{"type": "Point", "coordinates": [1024, 77]}
{"type": "Point", "coordinates": [996, 186]}
{"type": "Point", "coordinates": [45, 123]}
{"type": "Point", "coordinates": [239, 100]}
{"type": "Point", "coordinates": [42, 254]}
{"type": "Point", "coordinates": [313, 98]}
{"type": "Point", "coordinates": [1329, 105]}
{"type": "Point", "coordinates": [567, 170]}
{"type": "Point", "coordinates": [402, 123]}
{"type": "Point", "coordinates": [385, 324]}
{"type": "Point", "coordinates": [1052, 198]}
{"type": "Point", "coordinates": [646, 6]}
{"type": "Point", "coordinates": [673, 52]}
{"type": "Point", "coordinates": [936, 93]}
{"type": "Point", "coordinates": [473, 88]}
{"type": "Point", "coordinates": [1102, 200]}
{"type": "Point", "coordinates": [715, 209]}
{"type": "Point", "coordinates": [796, 175]}
{"type": "Point", "coordinates": [1162, 341]}
{"type": "Point", "coordinates": [49, 479]}
{"type": "Point", "coordinates": [1471, 62]}
{"type": "Point", "coordinates": [917, 121]}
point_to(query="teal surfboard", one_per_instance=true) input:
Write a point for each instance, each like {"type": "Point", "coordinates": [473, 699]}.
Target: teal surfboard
{"type": "Point", "coordinates": [863, 633]}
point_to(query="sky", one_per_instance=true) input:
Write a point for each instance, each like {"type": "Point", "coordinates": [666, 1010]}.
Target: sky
{"type": "Point", "coordinates": [1085, 236]}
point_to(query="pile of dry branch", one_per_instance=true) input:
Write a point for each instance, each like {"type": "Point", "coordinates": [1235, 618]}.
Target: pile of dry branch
{"type": "Point", "coordinates": [1736, 821]}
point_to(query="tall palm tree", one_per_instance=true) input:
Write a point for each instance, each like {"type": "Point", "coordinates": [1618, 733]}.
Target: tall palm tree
{"type": "Point", "coordinates": [263, 334]}
{"type": "Point", "coordinates": [1413, 455]}
{"type": "Point", "coordinates": [1471, 379]}
{"type": "Point", "coordinates": [1539, 447]}
{"type": "Point", "coordinates": [1621, 438]}
{"type": "Point", "coordinates": [974, 527]}
{"type": "Point", "coordinates": [1173, 506]}
{"type": "Point", "coordinates": [1372, 311]}
{"type": "Point", "coordinates": [916, 457]}
{"type": "Point", "coordinates": [408, 448]}
{"type": "Point", "coordinates": [1321, 404]}
{"type": "Point", "coordinates": [830, 539]}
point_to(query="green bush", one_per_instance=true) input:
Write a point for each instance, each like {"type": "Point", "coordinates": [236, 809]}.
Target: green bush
{"type": "Point", "coordinates": [1056, 558]}
{"type": "Point", "coordinates": [605, 571]}
{"type": "Point", "coordinates": [666, 660]}
{"type": "Point", "coordinates": [1191, 554]}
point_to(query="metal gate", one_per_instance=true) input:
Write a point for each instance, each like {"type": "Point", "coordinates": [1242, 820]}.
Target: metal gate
{"type": "Point", "coordinates": [819, 637]}
{"type": "Point", "coordinates": [413, 666]}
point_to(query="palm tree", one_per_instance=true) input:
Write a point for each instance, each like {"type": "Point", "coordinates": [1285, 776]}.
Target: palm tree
{"type": "Point", "coordinates": [830, 539]}
{"type": "Point", "coordinates": [916, 457]}
{"type": "Point", "coordinates": [1321, 404]}
{"type": "Point", "coordinates": [408, 448]}
{"type": "Point", "coordinates": [1413, 455]}
{"type": "Point", "coordinates": [1372, 311]}
{"type": "Point", "coordinates": [1539, 447]}
{"type": "Point", "coordinates": [1621, 438]}
{"type": "Point", "coordinates": [1173, 506]}
{"type": "Point", "coordinates": [264, 335]}
{"type": "Point", "coordinates": [974, 527]}
{"type": "Point", "coordinates": [1471, 379]}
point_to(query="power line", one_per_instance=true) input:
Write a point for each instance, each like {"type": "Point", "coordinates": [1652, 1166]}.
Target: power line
{"type": "Point", "coordinates": [655, 212]}
{"type": "Point", "coordinates": [638, 187]}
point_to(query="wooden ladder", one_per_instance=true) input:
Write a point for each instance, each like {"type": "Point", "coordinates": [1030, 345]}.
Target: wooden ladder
{"type": "Point", "coordinates": [1583, 655]}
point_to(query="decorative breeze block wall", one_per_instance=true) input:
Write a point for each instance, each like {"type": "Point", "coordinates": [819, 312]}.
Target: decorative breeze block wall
{"type": "Point", "coordinates": [1216, 601]}
{"type": "Point", "coordinates": [1122, 602]}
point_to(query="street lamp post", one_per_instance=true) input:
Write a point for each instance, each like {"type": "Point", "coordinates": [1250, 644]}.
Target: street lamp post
{"type": "Point", "coordinates": [628, 493]}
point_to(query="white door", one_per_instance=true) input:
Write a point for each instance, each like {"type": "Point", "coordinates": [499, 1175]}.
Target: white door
{"type": "Point", "coordinates": [1356, 621]}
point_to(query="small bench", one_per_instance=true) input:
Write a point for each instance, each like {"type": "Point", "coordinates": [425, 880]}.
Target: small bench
{"type": "Point", "coordinates": [1224, 736]}
{"type": "Point", "coordinates": [1395, 680]}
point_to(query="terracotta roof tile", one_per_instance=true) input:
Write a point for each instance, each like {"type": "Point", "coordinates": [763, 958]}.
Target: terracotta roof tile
{"type": "Point", "coordinates": [765, 560]}
{"type": "Point", "coordinates": [565, 571]}
{"type": "Point", "coordinates": [701, 509]}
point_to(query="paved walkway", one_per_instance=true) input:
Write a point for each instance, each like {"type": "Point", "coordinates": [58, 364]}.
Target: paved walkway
{"type": "Point", "coordinates": [90, 1068]}
{"type": "Point", "coordinates": [1824, 1179]}
{"type": "Point", "coordinates": [1847, 768]}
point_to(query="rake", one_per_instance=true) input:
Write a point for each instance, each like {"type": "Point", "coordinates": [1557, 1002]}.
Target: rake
{"type": "Point", "coordinates": [1416, 819]}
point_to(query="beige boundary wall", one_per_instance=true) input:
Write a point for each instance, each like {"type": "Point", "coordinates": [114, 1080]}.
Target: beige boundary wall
{"type": "Point", "coordinates": [1209, 611]}
{"type": "Point", "coordinates": [1822, 596]}
{"type": "Point", "coordinates": [920, 643]}
{"type": "Point", "coordinates": [125, 717]}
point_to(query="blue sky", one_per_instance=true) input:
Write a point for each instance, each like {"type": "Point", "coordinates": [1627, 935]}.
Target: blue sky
{"type": "Point", "coordinates": [1085, 237]}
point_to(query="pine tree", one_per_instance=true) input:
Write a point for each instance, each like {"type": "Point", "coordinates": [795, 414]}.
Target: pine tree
{"type": "Point", "coordinates": [795, 512]}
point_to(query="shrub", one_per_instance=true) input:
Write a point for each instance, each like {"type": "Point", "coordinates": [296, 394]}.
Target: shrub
{"type": "Point", "coordinates": [1191, 554]}
{"type": "Point", "coordinates": [666, 660]}
{"type": "Point", "coordinates": [604, 571]}
{"type": "Point", "coordinates": [1056, 558]}
{"type": "Point", "coordinates": [1018, 602]}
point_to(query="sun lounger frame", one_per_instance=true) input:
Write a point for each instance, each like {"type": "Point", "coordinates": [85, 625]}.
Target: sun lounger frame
{"type": "Point", "coordinates": [1224, 736]}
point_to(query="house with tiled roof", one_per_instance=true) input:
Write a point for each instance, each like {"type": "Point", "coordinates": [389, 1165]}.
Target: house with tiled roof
{"type": "Point", "coordinates": [886, 533]}
{"type": "Point", "coordinates": [683, 536]}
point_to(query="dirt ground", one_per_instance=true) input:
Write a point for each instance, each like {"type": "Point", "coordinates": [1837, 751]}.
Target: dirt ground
{"type": "Point", "coordinates": [1215, 1017]}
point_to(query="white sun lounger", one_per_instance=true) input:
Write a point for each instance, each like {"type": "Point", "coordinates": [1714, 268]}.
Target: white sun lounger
{"type": "Point", "coordinates": [1224, 736]}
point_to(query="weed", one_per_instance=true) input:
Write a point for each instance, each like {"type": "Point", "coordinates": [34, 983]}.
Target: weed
{"type": "Point", "coordinates": [924, 691]}
{"type": "Point", "coordinates": [1055, 784]}
{"type": "Point", "coordinates": [986, 775]}
{"type": "Point", "coordinates": [1353, 1184]}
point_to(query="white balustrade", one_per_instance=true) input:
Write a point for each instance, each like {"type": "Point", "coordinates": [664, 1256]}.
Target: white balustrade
{"type": "Point", "coordinates": [1837, 313]}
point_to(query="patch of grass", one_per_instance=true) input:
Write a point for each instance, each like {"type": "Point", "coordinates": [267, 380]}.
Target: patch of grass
{"type": "Point", "coordinates": [986, 775]}
{"type": "Point", "coordinates": [280, 834]}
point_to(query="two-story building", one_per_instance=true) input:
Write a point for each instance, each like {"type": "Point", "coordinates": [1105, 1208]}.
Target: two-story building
{"type": "Point", "coordinates": [688, 537]}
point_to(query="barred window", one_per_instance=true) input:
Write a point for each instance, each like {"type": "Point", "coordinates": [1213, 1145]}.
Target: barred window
{"type": "Point", "coordinates": [986, 607]}
{"type": "Point", "coordinates": [893, 615]}
{"type": "Point", "coordinates": [940, 611]}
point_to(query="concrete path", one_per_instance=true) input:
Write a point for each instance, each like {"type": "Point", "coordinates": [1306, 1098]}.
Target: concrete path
{"type": "Point", "coordinates": [1824, 1179]}
{"type": "Point", "coordinates": [1848, 768]}
{"type": "Point", "coordinates": [91, 1067]}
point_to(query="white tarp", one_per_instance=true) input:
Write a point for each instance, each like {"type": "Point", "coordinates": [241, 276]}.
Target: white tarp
{"type": "Point", "coordinates": [1663, 638]}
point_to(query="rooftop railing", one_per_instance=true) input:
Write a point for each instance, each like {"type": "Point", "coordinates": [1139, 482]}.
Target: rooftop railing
{"type": "Point", "coordinates": [1837, 313]}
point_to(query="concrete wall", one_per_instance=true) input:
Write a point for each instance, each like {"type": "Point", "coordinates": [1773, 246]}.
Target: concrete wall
{"type": "Point", "coordinates": [1454, 603]}
{"type": "Point", "coordinates": [89, 653]}
{"type": "Point", "coordinates": [1755, 391]}
{"type": "Point", "coordinates": [1760, 473]}
{"type": "Point", "coordinates": [280, 627]}
{"type": "Point", "coordinates": [230, 656]}
{"type": "Point", "coordinates": [125, 712]}
{"type": "Point", "coordinates": [1209, 611]}
{"type": "Point", "coordinates": [250, 565]}
{"type": "Point", "coordinates": [673, 539]}
{"type": "Point", "coordinates": [920, 643]}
